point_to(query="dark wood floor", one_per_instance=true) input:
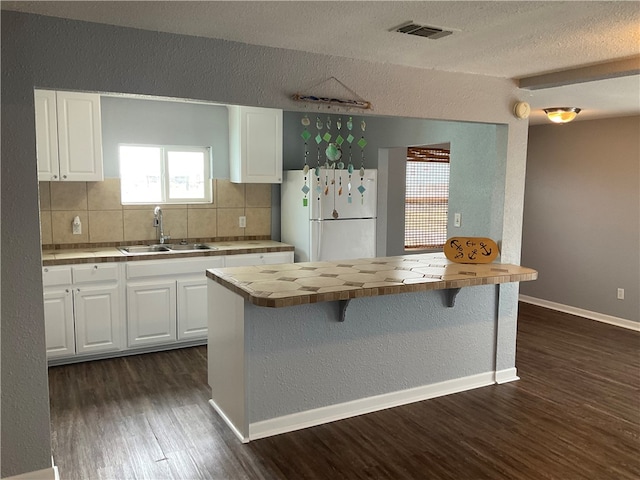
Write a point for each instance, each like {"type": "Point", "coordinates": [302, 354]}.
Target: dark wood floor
{"type": "Point", "coordinates": [575, 414]}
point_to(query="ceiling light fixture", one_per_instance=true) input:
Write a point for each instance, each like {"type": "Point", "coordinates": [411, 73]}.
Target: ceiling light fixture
{"type": "Point", "coordinates": [561, 114]}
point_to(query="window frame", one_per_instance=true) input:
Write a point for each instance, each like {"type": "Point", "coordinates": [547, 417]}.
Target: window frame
{"type": "Point", "coordinates": [165, 188]}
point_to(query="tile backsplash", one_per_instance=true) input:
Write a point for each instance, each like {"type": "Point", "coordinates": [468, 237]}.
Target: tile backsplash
{"type": "Point", "coordinates": [105, 220]}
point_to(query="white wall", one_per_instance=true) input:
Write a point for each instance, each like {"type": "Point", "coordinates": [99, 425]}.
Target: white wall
{"type": "Point", "coordinates": [55, 53]}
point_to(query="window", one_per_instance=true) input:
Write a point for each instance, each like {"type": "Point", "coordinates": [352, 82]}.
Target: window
{"type": "Point", "coordinates": [162, 174]}
{"type": "Point", "coordinates": [426, 198]}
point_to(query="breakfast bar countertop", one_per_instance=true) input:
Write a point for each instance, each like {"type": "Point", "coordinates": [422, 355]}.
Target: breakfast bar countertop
{"type": "Point", "coordinates": [302, 283]}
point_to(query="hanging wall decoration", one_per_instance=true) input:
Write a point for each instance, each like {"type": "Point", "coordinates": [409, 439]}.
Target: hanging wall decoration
{"type": "Point", "coordinates": [357, 102]}
{"type": "Point", "coordinates": [319, 126]}
{"type": "Point", "coordinates": [327, 138]}
{"type": "Point", "coordinates": [350, 139]}
{"type": "Point", "coordinates": [362, 143]}
{"type": "Point", "coordinates": [305, 169]}
{"type": "Point", "coordinates": [340, 164]}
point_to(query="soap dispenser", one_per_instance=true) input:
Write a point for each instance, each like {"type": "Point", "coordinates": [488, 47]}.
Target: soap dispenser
{"type": "Point", "coordinates": [77, 226]}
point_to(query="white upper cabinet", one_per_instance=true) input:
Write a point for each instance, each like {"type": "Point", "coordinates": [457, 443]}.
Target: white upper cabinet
{"type": "Point", "coordinates": [255, 144]}
{"type": "Point", "coordinates": [47, 135]}
{"type": "Point", "coordinates": [68, 136]}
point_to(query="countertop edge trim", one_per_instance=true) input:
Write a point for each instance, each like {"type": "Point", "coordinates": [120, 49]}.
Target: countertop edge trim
{"type": "Point", "coordinates": [373, 291]}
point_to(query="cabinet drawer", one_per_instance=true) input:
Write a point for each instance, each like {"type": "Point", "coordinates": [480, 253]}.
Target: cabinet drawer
{"type": "Point", "coordinates": [97, 272]}
{"type": "Point", "coordinates": [56, 276]}
{"type": "Point", "coordinates": [153, 268]}
{"type": "Point", "coordinates": [271, 258]}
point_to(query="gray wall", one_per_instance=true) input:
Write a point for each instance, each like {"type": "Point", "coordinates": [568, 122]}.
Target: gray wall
{"type": "Point", "coordinates": [582, 214]}
{"type": "Point", "coordinates": [127, 120]}
{"type": "Point", "coordinates": [62, 54]}
{"type": "Point", "coordinates": [319, 362]}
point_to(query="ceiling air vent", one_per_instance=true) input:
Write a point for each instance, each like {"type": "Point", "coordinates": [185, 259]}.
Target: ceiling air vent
{"type": "Point", "coordinates": [422, 31]}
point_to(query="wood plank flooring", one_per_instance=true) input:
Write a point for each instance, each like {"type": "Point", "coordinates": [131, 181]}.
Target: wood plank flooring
{"type": "Point", "coordinates": [575, 414]}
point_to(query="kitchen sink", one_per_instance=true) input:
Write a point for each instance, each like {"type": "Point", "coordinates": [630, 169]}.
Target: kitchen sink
{"type": "Point", "coordinates": [136, 249]}
{"type": "Point", "coordinates": [165, 248]}
{"type": "Point", "coordinates": [191, 246]}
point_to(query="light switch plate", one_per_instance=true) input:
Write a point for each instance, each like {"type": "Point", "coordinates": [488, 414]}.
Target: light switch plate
{"type": "Point", "coordinates": [242, 221]}
{"type": "Point", "coordinates": [457, 219]}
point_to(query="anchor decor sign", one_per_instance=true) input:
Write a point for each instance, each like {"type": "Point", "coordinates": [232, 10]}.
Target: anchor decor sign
{"type": "Point", "coordinates": [471, 250]}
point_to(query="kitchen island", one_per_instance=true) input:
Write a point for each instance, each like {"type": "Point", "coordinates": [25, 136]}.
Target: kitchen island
{"type": "Point", "coordinates": [297, 345]}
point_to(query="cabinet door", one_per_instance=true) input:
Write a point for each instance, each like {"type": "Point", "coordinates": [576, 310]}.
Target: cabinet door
{"type": "Point", "coordinates": [151, 312]}
{"type": "Point", "coordinates": [192, 308]}
{"type": "Point", "coordinates": [46, 135]}
{"type": "Point", "coordinates": [258, 259]}
{"type": "Point", "coordinates": [97, 313]}
{"type": "Point", "coordinates": [58, 323]}
{"type": "Point", "coordinates": [79, 136]}
{"type": "Point", "coordinates": [255, 144]}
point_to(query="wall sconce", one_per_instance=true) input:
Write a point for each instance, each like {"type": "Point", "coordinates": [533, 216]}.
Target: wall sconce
{"type": "Point", "coordinates": [561, 114]}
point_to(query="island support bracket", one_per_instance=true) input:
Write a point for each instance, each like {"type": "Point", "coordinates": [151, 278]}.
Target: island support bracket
{"type": "Point", "coordinates": [451, 296]}
{"type": "Point", "coordinates": [342, 305]}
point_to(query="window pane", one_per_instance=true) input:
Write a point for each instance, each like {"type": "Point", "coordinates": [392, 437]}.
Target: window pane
{"type": "Point", "coordinates": [186, 175]}
{"type": "Point", "coordinates": [426, 203]}
{"type": "Point", "coordinates": [141, 174]}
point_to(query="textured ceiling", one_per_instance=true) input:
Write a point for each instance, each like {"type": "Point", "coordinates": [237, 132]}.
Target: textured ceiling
{"type": "Point", "coordinates": [500, 39]}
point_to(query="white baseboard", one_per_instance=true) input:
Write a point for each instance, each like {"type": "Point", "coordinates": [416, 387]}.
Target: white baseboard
{"type": "Point", "coordinates": [331, 413]}
{"type": "Point", "coordinates": [233, 428]}
{"type": "Point", "coordinates": [599, 317]}
{"type": "Point", "coordinates": [506, 375]}
{"type": "Point", "coordinates": [44, 474]}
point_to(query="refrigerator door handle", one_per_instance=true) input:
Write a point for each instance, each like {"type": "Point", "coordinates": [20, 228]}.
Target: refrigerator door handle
{"type": "Point", "coordinates": [318, 243]}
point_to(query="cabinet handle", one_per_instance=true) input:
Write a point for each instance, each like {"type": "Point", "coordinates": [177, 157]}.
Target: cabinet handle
{"type": "Point", "coordinates": [95, 267]}
{"type": "Point", "coordinates": [46, 270]}
{"type": "Point", "coordinates": [55, 176]}
{"type": "Point", "coordinates": [77, 289]}
{"type": "Point", "coordinates": [64, 177]}
{"type": "Point", "coordinates": [66, 290]}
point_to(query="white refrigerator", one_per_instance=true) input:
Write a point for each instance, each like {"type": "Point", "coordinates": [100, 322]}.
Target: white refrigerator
{"type": "Point", "coordinates": [339, 219]}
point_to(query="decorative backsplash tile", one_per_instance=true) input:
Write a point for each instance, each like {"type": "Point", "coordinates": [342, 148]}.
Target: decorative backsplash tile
{"type": "Point", "coordinates": [228, 225]}
{"type": "Point", "coordinates": [106, 225]}
{"type": "Point", "coordinates": [105, 220]}
{"type": "Point", "coordinates": [202, 222]}
{"type": "Point", "coordinates": [68, 195]}
{"type": "Point", "coordinates": [258, 195]}
{"type": "Point", "coordinates": [258, 221]}
{"type": "Point", "coordinates": [104, 195]}
{"type": "Point", "coordinates": [230, 194]}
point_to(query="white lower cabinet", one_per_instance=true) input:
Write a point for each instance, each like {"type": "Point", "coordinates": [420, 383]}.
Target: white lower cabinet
{"type": "Point", "coordinates": [110, 307]}
{"type": "Point", "coordinates": [192, 308]}
{"type": "Point", "coordinates": [151, 312]}
{"type": "Point", "coordinates": [97, 318]}
{"type": "Point", "coordinates": [167, 300]}
{"type": "Point", "coordinates": [59, 322]}
{"type": "Point", "coordinates": [83, 311]}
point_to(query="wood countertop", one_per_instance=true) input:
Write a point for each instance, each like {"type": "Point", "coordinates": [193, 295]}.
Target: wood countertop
{"type": "Point", "coordinates": [301, 283]}
{"type": "Point", "coordinates": [112, 254]}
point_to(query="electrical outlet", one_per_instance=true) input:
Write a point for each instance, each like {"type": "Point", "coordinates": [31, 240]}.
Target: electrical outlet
{"type": "Point", "coordinates": [621, 294]}
{"type": "Point", "coordinates": [76, 226]}
{"type": "Point", "coordinates": [457, 219]}
{"type": "Point", "coordinates": [242, 221]}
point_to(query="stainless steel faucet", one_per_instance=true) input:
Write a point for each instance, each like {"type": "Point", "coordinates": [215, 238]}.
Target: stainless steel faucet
{"type": "Point", "coordinates": [157, 213]}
